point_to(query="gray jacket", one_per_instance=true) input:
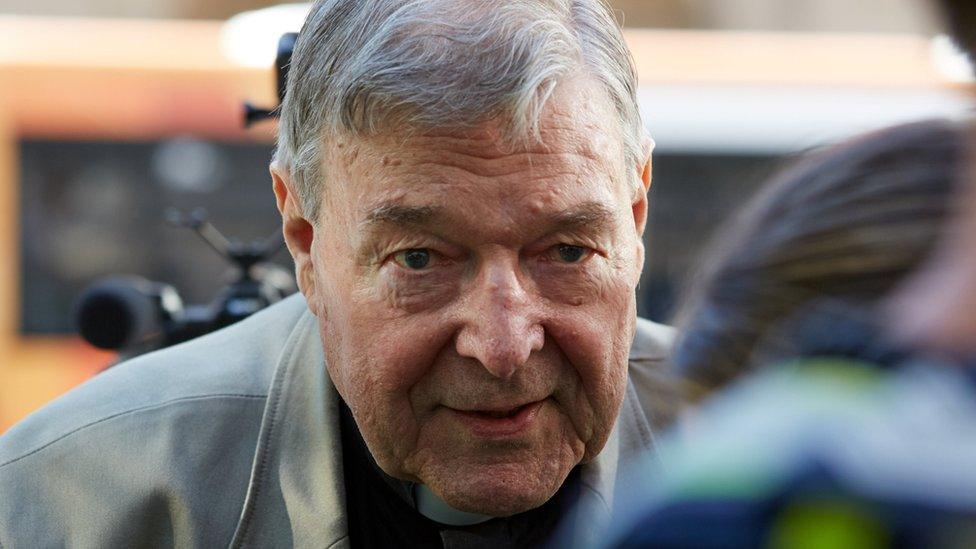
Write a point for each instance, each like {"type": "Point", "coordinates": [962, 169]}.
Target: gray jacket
{"type": "Point", "coordinates": [229, 440]}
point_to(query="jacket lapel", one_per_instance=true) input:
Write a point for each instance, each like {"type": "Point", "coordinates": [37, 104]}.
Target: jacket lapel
{"type": "Point", "coordinates": [296, 495]}
{"type": "Point", "coordinates": [631, 437]}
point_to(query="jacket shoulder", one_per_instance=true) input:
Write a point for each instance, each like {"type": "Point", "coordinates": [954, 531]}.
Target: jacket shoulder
{"type": "Point", "coordinates": [652, 341]}
{"type": "Point", "coordinates": [147, 438]}
{"type": "Point", "coordinates": [236, 361]}
{"type": "Point", "coordinates": [650, 373]}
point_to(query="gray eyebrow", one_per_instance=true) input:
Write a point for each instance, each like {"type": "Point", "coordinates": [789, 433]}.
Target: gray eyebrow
{"type": "Point", "coordinates": [588, 214]}
{"type": "Point", "coordinates": [397, 214]}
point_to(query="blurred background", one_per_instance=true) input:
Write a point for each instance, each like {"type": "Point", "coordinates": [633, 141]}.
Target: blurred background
{"type": "Point", "coordinates": [111, 111]}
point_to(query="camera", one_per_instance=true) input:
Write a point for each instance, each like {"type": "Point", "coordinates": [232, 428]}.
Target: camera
{"type": "Point", "coordinates": [133, 315]}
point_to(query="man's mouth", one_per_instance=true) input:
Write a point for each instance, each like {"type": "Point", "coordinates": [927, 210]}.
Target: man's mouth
{"type": "Point", "coordinates": [500, 422]}
{"type": "Point", "coordinates": [498, 414]}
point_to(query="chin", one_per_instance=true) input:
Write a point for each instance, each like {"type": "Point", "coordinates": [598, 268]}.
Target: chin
{"type": "Point", "coordinates": [499, 491]}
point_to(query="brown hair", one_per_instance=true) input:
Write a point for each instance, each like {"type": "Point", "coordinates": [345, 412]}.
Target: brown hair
{"type": "Point", "coordinates": [848, 223]}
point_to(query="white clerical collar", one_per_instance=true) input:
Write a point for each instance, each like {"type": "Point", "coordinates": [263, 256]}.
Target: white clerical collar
{"type": "Point", "coordinates": [436, 509]}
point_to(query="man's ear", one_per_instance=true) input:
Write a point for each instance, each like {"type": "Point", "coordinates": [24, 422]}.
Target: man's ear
{"type": "Point", "coordinates": [639, 201]}
{"type": "Point", "coordinates": [299, 232]}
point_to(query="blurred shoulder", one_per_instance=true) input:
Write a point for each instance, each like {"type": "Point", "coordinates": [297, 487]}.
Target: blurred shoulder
{"type": "Point", "coordinates": [650, 374]}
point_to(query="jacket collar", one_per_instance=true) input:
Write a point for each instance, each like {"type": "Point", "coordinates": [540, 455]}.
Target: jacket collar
{"type": "Point", "coordinates": [296, 495]}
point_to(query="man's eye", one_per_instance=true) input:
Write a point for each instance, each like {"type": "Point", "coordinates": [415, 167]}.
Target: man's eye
{"type": "Point", "coordinates": [414, 259]}
{"type": "Point", "coordinates": [567, 253]}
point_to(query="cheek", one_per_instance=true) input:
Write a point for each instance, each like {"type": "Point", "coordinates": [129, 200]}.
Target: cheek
{"type": "Point", "coordinates": [398, 322]}
{"type": "Point", "coordinates": [596, 337]}
{"type": "Point", "coordinates": [380, 356]}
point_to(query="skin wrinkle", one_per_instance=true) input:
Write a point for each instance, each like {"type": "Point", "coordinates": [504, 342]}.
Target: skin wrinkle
{"type": "Point", "coordinates": [587, 218]}
{"type": "Point", "coordinates": [581, 222]}
{"type": "Point", "coordinates": [467, 153]}
{"type": "Point", "coordinates": [497, 319]}
{"type": "Point", "coordinates": [459, 165]}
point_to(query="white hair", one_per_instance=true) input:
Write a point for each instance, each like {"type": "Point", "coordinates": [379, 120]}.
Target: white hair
{"type": "Point", "coordinates": [365, 66]}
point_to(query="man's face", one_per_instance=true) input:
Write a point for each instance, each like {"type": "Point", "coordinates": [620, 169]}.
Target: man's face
{"type": "Point", "coordinates": [477, 304]}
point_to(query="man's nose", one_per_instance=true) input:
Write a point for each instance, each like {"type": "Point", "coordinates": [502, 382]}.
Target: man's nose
{"type": "Point", "coordinates": [500, 325]}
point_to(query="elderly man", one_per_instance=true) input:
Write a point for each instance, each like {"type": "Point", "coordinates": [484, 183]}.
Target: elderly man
{"type": "Point", "coordinates": [462, 186]}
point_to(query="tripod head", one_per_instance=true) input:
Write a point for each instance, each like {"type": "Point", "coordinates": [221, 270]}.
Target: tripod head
{"type": "Point", "coordinates": [133, 315]}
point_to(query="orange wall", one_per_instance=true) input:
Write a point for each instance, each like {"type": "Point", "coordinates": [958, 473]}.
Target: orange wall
{"type": "Point", "coordinates": [99, 79]}
{"type": "Point", "coordinates": [132, 79]}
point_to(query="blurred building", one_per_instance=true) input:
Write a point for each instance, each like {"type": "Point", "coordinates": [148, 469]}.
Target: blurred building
{"type": "Point", "coordinates": [792, 15]}
{"type": "Point", "coordinates": [112, 110]}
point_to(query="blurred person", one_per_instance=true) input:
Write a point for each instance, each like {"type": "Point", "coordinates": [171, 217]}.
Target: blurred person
{"type": "Point", "coordinates": [838, 437]}
{"type": "Point", "coordinates": [830, 449]}
{"type": "Point", "coordinates": [935, 308]}
{"type": "Point", "coordinates": [849, 223]}
{"type": "Point", "coordinates": [862, 440]}
{"type": "Point", "coordinates": [462, 187]}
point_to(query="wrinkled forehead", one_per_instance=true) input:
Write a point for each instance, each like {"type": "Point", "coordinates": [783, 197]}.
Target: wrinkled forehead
{"type": "Point", "coordinates": [578, 142]}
